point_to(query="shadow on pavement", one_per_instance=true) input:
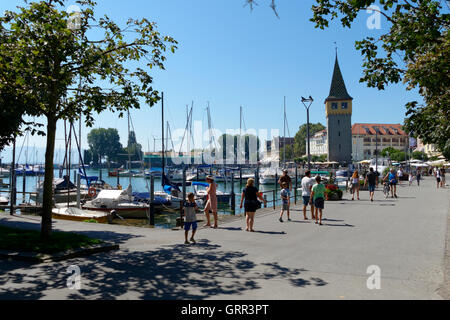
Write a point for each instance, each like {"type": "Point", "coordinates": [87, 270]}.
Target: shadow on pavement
{"type": "Point", "coordinates": [270, 232]}
{"type": "Point", "coordinates": [170, 272]}
{"type": "Point", "coordinates": [116, 237]}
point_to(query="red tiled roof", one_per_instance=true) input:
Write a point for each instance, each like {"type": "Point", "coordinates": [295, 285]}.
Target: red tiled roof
{"type": "Point", "coordinates": [384, 129]}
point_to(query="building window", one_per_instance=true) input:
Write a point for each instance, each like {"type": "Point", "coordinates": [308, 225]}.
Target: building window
{"type": "Point", "coordinates": [339, 122]}
{"type": "Point", "coordinates": [334, 106]}
{"type": "Point", "coordinates": [339, 133]}
{"type": "Point", "coordinates": [344, 105]}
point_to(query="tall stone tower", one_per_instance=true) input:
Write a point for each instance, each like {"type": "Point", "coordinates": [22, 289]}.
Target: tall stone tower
{"type": "Point", "coordinates": [338, 108]}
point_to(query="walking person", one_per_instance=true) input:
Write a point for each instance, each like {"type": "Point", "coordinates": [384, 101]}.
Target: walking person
{"type": "Point", "coordinates": [418, 177]}
{"type": "Point", "coordinates": [307, 184]}
{"type": "Point", "coordinates": [318, 196]}
{"type": "Point", "coordinates": [372, 180]}
{"type": "Point", "coordinates": [400, 175]}
{"type": "Point", "coordinates": [285, 179]}
{"type": "Point", "coordinates": [393, 179]}
{"type": "Point", "coordinates": [355, 184]}
{"type": "Point", "coordinates": [410, 178]}
{"type": "Point", "coordinates": [442, 178]}
{"type": "Point", "coordinates": [211, 204]}
{"type": "Point", "coordinates": [286, 201]}
{"type": "Point", "coordinates": [437, 174]}
{"type": "Point", "coordinates": [249, 198]}
{"type": "Point", "coordinates": [190, 218]}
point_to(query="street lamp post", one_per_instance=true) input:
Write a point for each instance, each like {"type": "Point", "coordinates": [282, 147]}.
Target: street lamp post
{"type": "Point", "coordinates": [304, 101]}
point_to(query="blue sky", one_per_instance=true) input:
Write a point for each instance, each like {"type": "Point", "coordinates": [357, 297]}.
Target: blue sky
{"type": "Point", "coordinates": [231, 56]}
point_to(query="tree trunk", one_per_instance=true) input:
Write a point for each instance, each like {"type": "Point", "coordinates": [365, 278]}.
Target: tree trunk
{"type": "Point", "coordinates": [47, 205]}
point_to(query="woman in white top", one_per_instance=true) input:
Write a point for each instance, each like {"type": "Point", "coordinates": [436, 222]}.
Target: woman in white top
{"type": "Point", "coordinates": [355, 184]}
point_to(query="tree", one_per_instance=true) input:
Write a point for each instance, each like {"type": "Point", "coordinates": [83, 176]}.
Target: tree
{"type": "Point", "coordinates": [105, 143]}
{"type": "Point", "coordinates": [388, 151]}
{"type": "Point", "coordinates": [56, 62]}
{"type": "Point", "coordinates": [415, 50]}
{"type": "Point", "coordinates": [133, 148]}
{"type": "Point", "coordinates": [301, 136]}
{"type": "Point", "coordinates": [418, 155]}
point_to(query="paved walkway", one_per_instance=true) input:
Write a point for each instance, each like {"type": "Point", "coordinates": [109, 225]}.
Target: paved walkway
{"type": "Point", "coordinates": [405, 237]}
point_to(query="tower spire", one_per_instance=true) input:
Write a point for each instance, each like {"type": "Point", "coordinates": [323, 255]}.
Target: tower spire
{"type": "Point", "coordinates": [338, 91]}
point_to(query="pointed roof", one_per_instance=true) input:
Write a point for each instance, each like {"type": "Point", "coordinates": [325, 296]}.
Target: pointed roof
{"type": "Point", "coordinates": [338, 91]}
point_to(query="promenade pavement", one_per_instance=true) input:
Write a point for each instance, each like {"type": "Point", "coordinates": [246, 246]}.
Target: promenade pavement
{"type": "Point", "coordinates": [405, 237]}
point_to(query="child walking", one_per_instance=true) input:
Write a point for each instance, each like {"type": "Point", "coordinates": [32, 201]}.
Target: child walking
{"type": "Point", "coordinates": [190, 218]}
{"type": "Point", "coordinates": [411, 178]}
{"type": "Point", "coordinates": [318, 196]}
{"type": "Point", "coordinates": [286, 199]}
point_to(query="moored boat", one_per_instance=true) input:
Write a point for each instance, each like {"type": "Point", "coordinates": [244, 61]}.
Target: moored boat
{"type": "Point", "coordinates": [75, 214]}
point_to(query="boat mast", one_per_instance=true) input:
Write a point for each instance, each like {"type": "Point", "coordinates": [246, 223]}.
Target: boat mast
{"type": "Point", "coordinates": [162, 130]}
{"type": "Point", "coordinates": [129, 154]}
{"type": "Point", "coordinates": [284, 137]}
{"type": "Point", "coordinates": [240, 133]}
{"type": "Point", "coordinates": [167, 140]}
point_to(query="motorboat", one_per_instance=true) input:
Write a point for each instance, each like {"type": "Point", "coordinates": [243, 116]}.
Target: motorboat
{"type": "Point", "coordinates": [153, 173]}
{"type": "Point", "coordinates": [75, 214]}
{"type": "Point", "coordinates": [175, 197]}
{"type": "Point", "coordinates": [269, 176]}
{"type": "Point", "coordinates": [4, 201]}
{"type": "Point", "coordinates": [380, 165]}
{"type": "Point", "coordinates": [4, 173]}
{"type": "Point", "coordinates": [63, 191]}
{"type": "Point", "coordinates": [202, 194]}
{"type": "Point", "coordinates": [131, 173]}
{"type": "Point", "coordinates": [29, 171]}
{"type": "Point", "coordinates": [121, 201]}
{"type": "Point", "coordinates": [175, 175]}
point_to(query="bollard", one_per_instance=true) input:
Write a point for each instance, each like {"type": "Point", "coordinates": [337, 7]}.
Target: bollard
{"type": "Point", "coordinates": [240, 176]}
{"type": "Point", "coordinates": [265, 201]}
{"type": "Point", "coordinates": [184, 198]}
{"type": "Point", "coordinates": [151, 220]}
{"type": "Point", "coordinates": [78, 181]}
{"type": "Point", "coordinates": [233, 196]}
{"type": "Point", "coordinates": [276, 182]}
{"type": "Point", "coordinates": [274, 199]}
{"type": "Point", "coordinates": [101, 174]}
{"type": "Point", "coordinates": [296, 184]}
{"type": "Point", "coordinates": [118, 178]}
{"type": "Point", "coordinates": [24, 177]}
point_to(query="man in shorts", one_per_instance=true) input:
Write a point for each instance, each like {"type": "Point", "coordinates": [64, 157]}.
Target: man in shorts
{"type": "Point", "coordinates": [372, 180]}
{"type": "Point", "coordinates": [307, 184]}
{"type": "Point", "coordinates": [285, 179]}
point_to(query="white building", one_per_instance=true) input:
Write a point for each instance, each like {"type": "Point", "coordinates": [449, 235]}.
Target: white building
{"type": "Point", "coordinates": [319, 143]}
{"type": "Point", "coordinates": [367, 138]}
